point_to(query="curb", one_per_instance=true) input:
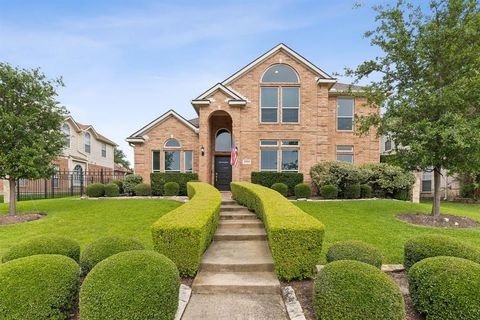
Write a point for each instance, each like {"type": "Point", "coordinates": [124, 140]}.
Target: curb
{"type": "Point", "coordinates": [183, 297]}
{"type": "Point", "coordinates": [294, 309]}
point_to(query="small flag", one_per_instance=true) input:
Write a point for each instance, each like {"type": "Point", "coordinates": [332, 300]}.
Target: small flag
{"type": "Point", "coordinates": [233, 156]}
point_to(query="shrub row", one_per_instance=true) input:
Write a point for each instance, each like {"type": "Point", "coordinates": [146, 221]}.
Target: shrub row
{"type": "Point", "coordinates": [97, 190]}
{"type": "Point", "coordinates": [159, 179]}
{"type": "Point", "coordinates": [295, 238]}
{"type": "Point", "coordinates": [267, 179]}
{"type": "Point", "coordinates": [185, 233]}
{"type": "Point", "coordinates": [130, 182]}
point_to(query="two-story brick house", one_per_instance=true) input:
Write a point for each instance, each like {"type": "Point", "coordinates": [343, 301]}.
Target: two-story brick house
{"type": "Point", "coordinates": [279, 113]}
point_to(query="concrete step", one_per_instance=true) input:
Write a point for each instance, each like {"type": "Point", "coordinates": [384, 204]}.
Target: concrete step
{"type": "Point", "coordinates": [232, 207]}
{"type": "Point", "coordinates": [242, 215]}
{"type": "Point", "coordinates": [236, 282]}
{"type": "Point", "coordinates": [228, 202]}
{"type": "Point", "coordinates": [237, 256]}
{"type": "Point", "coordinates": [234, 223]}
{"type": "Point", "coordinates": [240, 234]}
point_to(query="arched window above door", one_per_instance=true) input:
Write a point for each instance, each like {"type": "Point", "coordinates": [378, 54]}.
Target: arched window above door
{"type": "Point", "coordinates": [223, 141]}
{"type": "Point", "coordinates": [280, 73]}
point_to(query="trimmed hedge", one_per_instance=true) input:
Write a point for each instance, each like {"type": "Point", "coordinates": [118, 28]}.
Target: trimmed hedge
{"type": "Point", "coordinates": [96, 190]}
{"type": "Point", "coordinates": [130, 182]}
{"type": "Point", "coordinates": [185, 233]}
{"type": "Point", "coordinates": [352, 191]}
{"type": "Point", "coordinates": [267, 179]}
{"type": "Point", "coordinates": [105, 247]}
{"type": "Point", "coordinates": [45, 244]}
{"type": "Point", "coordinates": [355, 250]}
{"type": "Point", "coordinates": [353, 290]}
{"type": "Point", "coordinates": [302, 191]}
{"type": "Point", "coordinates": [446, 288]}
{"type": "Point", "coordinates": [171, 188]}
{"type": "Point", "coordinates": [143, 189]}
{"type": "Point", "coordinates": [329, 191]}
{"type": "Point", "coordinates": [295, 238]}
{"type": "Point", "coordinates": [366, 191]}
{"type": "Point", "coordinates": [112, 190]}
{"type": "Point", "coordinates": [119, 183]}
{"type": "Point", "coordinates": [158, 180]}
{"type": "Point", "coordinates": [433, 245]}
{"type": "Point", "coordinates": [131, 285]}
{"type": "Point", "coordinates": [38, 287]}
{"type": "Point", "coordinates": [281, 188]}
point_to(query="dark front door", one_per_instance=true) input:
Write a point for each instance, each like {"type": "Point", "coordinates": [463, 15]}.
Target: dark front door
{"type": "Point", "coordinates": [223, 173]}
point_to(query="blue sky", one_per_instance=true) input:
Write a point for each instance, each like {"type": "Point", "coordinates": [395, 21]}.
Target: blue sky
{"type": "Point", "coordinates": [125, 63]}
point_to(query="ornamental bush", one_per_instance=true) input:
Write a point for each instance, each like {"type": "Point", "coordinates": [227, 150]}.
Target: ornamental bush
{"type": "Point", "coordinates": [468, 190]}
{"type": "Point", "coordinates": [353, 290]}
{"type": "Point", "coordinates": [302, 191]}
{"type": "Point", "coordinates": [96, 190]}
{"type": "Point", "coordinates": [105, 247]}
{"type": "Point", "coordinates": [329, 191]}
{"type": "Point", "coordinates": [267, 179]}
{"type": "Point", "coordinates": [119, 183]}
{"type": "Point", "coordinates": [352, 191]}
{"type": "Point", "coordinates": [366, 191]}
{"type": "Point", "coordinates": [171, 188]}
{"type": "Point", "coordinates": [142, 190]}
{"type": "Point", "coordinates": [45, 244]}
{"type": "Point", "coordinates": [159, 179]}
{"type": "Point", "coordinates": [433, 245]}
{"type": "Point", "coordinates": [112, 190]}
{"type": "Point", "coordinates": [131, 285]}
{"type": "Point", "coordinates": [446, 288]}
{"type": "Point", "coordinates": [130, 182]}
{"type": "Point", "coordinates": [355, 250]}
{"type": "Point", "coordinates": [387, 179]}
{"type": "Point", "coordinates": [38, 287]}
{"type": "Point", "coordinates": [281, 188]}
{"type": "Point", "coordinates": [337, 173]}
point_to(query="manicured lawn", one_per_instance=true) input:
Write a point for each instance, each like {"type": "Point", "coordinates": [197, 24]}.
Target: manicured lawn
{"type": "Point", "coordinates": [87, 220]}
{"type": "Point", "coordinates": [374, 222]}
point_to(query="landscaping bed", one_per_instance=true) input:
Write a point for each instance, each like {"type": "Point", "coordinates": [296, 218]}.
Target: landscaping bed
{"type": "Point", "coordinates": [23, 217]}
{"type": "Point", "coordinates": [442, 221]}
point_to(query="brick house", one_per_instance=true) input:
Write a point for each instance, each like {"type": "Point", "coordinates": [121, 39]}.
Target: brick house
{"type": "Point", "coordinates": [280, 113]}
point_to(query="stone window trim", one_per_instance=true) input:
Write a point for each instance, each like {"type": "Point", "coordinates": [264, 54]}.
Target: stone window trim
{"type": "Point", "coordinates": [161, 160]}
{"type": "Point", "coordinates": [279, 147]}
{"type": "Point", "coordinates": [168, 143]}
{"type": "Point", "coordinates": [337, 116]}
{"type": "Point", "coordinates": [280, 108]}
{"type": "Point", "coordinates": [342, 151]}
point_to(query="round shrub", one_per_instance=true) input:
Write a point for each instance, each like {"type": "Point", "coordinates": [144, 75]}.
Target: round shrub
{"type": "Point", "coordinates": [119, 183]}
{"type": "Point", "coordinates": [352, 191]}
{"type": "Point", "coordinates": [103, 248]}
{"type": "Point", "coordinates": [96, 190]}
{"type": "Point", "coordinates": [46, 244]}
{"type": "Point", "coordinates": [433, 245]}
{"type": "Point", "coordinates": [38, 287]}
{"type": "Point", "coordinates": [281, 188]}
{"type": "Point", "coordinates": [112, 190]}
{"type": "Point", "coordinates": [353, 290]}
{"type": "Point", "coordinates": [130, 182]}
{"type": "Point", "coordinates": [302, 190]}
{"type": "Point", "coordinates": [171, 188]}
{"type": "Point", "coordinates": [143, 189]}
{"type": "Point", "coordinates": [329, 191]}
{"type": "Point", "coordinates": [467, 190]}
{"type": "Point", "coordinates": [446, 288]}
{"type": "Point", "coordinates": [131, 285]}
{"type": "Point", "coordinates": [366, 191]}
{"type": "Point", "coordinates": [355, 250]}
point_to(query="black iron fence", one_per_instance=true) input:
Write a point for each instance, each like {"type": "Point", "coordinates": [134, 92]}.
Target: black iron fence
{"type": "Point", "coordinates": [63, 184]}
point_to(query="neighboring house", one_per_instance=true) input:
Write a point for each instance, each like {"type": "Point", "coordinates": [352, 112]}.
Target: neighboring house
{"type": "Point", "coordinates": [279, 113]}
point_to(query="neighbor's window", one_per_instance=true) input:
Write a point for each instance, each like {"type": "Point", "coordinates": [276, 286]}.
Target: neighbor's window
{"type": "Point", "coordinates": [388, 144]}
{"type": "Point", "coordinates": [345, 109]}
{"type": "Point", "coordinates": [345, 153]}
{"type": "Point", "coordinates": [172, 143]}
{"type": "Point", "coordinates": [155, 161]}
{"type": "Point", "coordinates": [87, 142]}
{"type": "Point", "coordinates": [104, 150]}
{"type": "Point", "coordinates": [172, 161]}
{"type": "Point", "coordinates": [427, 181]}
{"type": "Point", "coordinates": [66, 132]}
{"type": "Point", "coordinates": [56, 178]}
{"type": "Point", "coordinates": [287, 149]}
{"type": "Point", "coordinates": [188, 156]}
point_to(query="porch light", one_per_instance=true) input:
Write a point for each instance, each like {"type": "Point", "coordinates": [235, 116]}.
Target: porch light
{"type": "Point", "coordinates": [202, 150]}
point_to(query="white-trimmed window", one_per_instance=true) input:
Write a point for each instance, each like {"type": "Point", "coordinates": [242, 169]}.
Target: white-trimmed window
{"type": "Point", "coordinates": [155, 161]}
{"type": "Point", "coordinates": [388, 144]}
{"type": "Point", "coordinates": [104, 150]}
{"type": "Point", "coordinates": [344, 153]}
{"type": "Point", "coordinates": [188, 161]}
{"type": "Point", "coordinates": [88, 142]}
{"type": "Point", "coordinates": [66, 133]}
{"type": "Point", "coordinates": [269, 104]}
{"type": "Point", "coordinates": [427, 181]}
{"type": "Point", "coordinates": [171, 161]}
{"type": "Point", "coordinates": [56, 178]}
{"type": "Point", "coordinates": [345, 112]}
{"type": "Point", "coordinates": [290, 104]}
{"type": "Point", "coordinates": [279, 156]}
{"type": "Point", "coordinates": [172, 143]}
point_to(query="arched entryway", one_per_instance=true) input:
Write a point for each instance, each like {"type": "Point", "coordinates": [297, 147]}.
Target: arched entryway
{"type": "Point", "coordinates": [220, 123]}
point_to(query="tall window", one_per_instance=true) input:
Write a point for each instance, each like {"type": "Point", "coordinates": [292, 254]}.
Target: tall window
{"type": "Point", "coordinates": [270, 150]}
{"type": "Point", "coordinates": [345, 109]}
{"type": "Point", "coordinates": [388, 144]}
{"type": "Point", "coordinates": [171, 161]}
{"type": "Point", "coordinates": [104, 150]}
{"type": "Point", "coordinates": [279, 89]}
{"type": "Point", "coordinates": [87, 142]}
{"type": "Point", "coordinates": [223, 141]}
{"type": "Point", "coordinates": [427, 181]}
{"type": "Point", "coordinates": [77, 175]}
{"type": "Point", "coordinates": [188, 158]}
{"type": "Point", "coordinates": [66, 132]}
{"type": "Point", "coordinates": [56, 178]}
{"type": "Point", "coordinates": [156, 161]}
{"type": "Point", "coordinates": [345, 153]}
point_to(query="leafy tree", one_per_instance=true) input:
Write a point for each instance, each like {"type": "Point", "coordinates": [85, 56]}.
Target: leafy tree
{"type": "Point", "coordinates": [428, 84]}
{"type": "Point", "coordinates": [30, 122]}
{"type": "Point", "coordinates": [120, 158]}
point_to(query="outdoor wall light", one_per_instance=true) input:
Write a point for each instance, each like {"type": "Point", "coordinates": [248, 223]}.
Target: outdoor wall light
{"type": "Point", "coordinates": [202, 150]}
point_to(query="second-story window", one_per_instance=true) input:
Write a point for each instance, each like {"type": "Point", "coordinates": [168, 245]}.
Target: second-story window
{"type": "Point", "coordinates": [345, 111]}
{"type": "Point", "coordinates": [66, 132]}
{"type": "Point", "coordinates": [104, 150]}
{"type": "Point", "coordinates": [88, 142]}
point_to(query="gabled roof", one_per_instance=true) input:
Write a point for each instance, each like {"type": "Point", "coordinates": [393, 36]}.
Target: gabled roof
{"type": "Point", "coordinates": [86, 127]}
{"type": "Point", "coordinates": [221, 87]}
{"type": "Point", "coordinates": [138, 136]}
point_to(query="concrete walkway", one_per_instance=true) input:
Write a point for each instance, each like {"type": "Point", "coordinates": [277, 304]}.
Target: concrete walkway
{"type": "Point", "coordinates": [236, 278]}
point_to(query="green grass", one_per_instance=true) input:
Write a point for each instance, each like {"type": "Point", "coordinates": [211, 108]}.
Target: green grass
{"type": "Point", "coordinates": [87, 220]}
{"type": "Point", "coordinates": [374, 222]}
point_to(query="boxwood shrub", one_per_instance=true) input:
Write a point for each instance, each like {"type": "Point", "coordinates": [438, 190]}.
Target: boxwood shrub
{"type": "Point", "coordinates": [281, 188]}
{"type": "Point", "coordinates": [142, 190]}
{"type": "Point", "coordinates": [45, 244]}
{"type": "Point", "coordinates": [96, 190]}
{"type": "Point", "coordinates": [355, 250]}
{"type": "Point", "coordinates": [295, 238]}
{"type": "Point", "coordinates": [131, 285]}
{"type": "Point", "coordinates": [158, 180]}
{"type": "Point", "coordinates": [352, 191]}
{"type": "Point", "coordinates": [353, 290]}
{"type": "Point", "coordinates": [171, 188]}
{"type": "Point", "coordinates": [38, 287]}
{"type": "Point", "coordinates": [329, 191]}
{"type": "Point", "coordinates": [267, 179]}
{"type": "Point", "coordinates": [105, 247]}
{"type": "Point", "coordinates": [433, 245]}
{"type": "Point", "coordinates": [112, 190]}
{"type": "Point", "coordinates": [366, 191]}
{"type": "Point", "coordinates": [130, 182]}
{"type": "Point", "coordinates": [119, 183]}
{"type": "Point", "coordinates": [446, 288]}
{"type": "Point", "coordinates": [302, 191]}
{"type": "Point", "coordinates": [185, 233]}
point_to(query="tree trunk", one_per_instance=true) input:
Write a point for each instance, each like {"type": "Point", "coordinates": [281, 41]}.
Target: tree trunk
{"type": "Point", "coordinates": [436, 192]}
{"type": "Point", "coordinates": [13, 204]}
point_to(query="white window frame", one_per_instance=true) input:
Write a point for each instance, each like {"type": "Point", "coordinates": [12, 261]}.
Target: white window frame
{"type": "Point", "coordinates": [159, 161]}
{"type": "Point", "coordinates": [104, 150]}
{"type": "Point", "coordinates": [343, 117]}
{"type": "Point", "coordinates": [279, 147]}
{"type": "Point", "coordinates": [350, 152]}
{"type": "Point", "coordinates": [430, 173]}
{"type": "Point", "coordinates": [299, 104]}
{"type": "Point", "coordinates": [185, 161]}
{"type": "Point", "coordinates": [278, 105]}
{"type": "Point", "coordinates": [89, 142]}
{"type": "Point", "coordinates": [179, 156]}
{"type": "Point", "coordinates": [67, 134]}
{"type": "Point", "coordinates": [177, 147]}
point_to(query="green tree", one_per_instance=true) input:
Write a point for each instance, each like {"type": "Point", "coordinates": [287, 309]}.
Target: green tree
{"type": "Point", "coordinates": [30, 126]}
{"type": "Point", "coordinates": [428, 82]}
{"type": "Point", "coordinates": [121, 158]}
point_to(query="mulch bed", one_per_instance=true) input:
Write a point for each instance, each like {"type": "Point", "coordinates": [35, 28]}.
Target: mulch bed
{"type": "Point", "coordinates": [443, 221]}
{"type": "Point", "coordinates": [23, 217]}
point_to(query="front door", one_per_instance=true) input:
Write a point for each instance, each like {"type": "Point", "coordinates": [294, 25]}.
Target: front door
{"type": "Point", "coordinates": [223, 173]}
